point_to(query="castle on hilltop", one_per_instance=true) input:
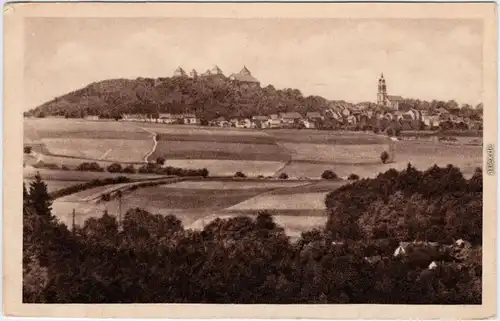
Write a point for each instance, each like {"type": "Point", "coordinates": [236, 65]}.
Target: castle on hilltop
{"type": "Point", "coordinates": [383, 99]}
{"type": "Point", "coordinates": [242, 78]}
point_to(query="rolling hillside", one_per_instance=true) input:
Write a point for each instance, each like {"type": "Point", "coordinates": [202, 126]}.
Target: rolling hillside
{"type": "Point", "coordinates": [208, 97]}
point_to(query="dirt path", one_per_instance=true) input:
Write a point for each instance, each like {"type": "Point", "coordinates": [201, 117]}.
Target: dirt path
{"type": "Point", "coordinates": [105, 154]}
{"type": "Point", "coordinates": [155, 141]}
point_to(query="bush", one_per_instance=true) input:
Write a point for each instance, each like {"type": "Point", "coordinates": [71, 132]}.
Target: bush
{"type": "Point", "coordinates": [328, 174]}
{"type": "Point", "coordinates": [240, 175]}
{"type": "Point", "coordinates": [204, 172]}
{"type": "Point", "coordinates": [384, 157]}
{"type": "Point", "coordinates": [64, 168]}
{"type": "Point", "coordinates": [93, 183]}
{"type": "Point", "coordinates": [353, 177]}
{"type": "Point", "coordinates": [90, 167]}
{"type": "Point", "coordinates": [105, 197]}
{"type": "Point", "coordinates": [115, 168]}
{"type": "Point", "coordinates": [27, 149]}
{"type": "Point", "coordinates": [149, 168]}
{"type": "Point", "coordinates": [160, 160]}
{"type": "Point", "coordinates": [130, 169]}
{"type": "Point", "coordinates": [283, 176]}
{"type": "Point", "coordinates": [46, 165]}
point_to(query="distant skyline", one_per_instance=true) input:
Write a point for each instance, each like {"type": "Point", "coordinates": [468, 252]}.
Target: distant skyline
{"type": "Point", "coordinates": [339, 59]}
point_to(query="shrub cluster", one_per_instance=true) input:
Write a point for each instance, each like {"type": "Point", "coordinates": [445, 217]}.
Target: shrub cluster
{"type": "Point", "coordinates": [46, 165]}
{"type": "Point", "coordinates": [93, 183]}
{"type": "Point", "coordinates": [90, 167]}
{"type": "Point", "coordinates": [154, 168]}
{"type": "Point", "coordinates": [240, 175]}
{"type": "Point", "coordinates": [328, 174]}
{"type": "Point", "coordinates": [283, 176]}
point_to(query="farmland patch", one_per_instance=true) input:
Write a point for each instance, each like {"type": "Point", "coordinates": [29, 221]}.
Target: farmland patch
{"type": "Point", "coordinates": [270, 201]}
{"type": "Point", "coordinates": [216, 150]}
{"type": "Point", "coordinates": [350, 154]}
{"type": "Point", "coordinates": [325, 137]}
{"type": "Point", "coordinates": [118, 150]}
{"type": "Point", "coordinates": [79, 128]}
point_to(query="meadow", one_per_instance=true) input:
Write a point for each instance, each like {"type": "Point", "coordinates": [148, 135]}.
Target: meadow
{"type": "Point", "coordinates": [196, 202]}
{"type": "Point", "coordinates": [219, 151]}
{"type": "Point", "coordinates": [225, 151]}
{"type": "Point", "coordinates": [298, 205]}
{"type": "Point", "coordinates": [87, 140]}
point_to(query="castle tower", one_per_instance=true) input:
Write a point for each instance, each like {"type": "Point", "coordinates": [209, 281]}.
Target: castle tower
{"type": "Point", "coordinates": [216, 70]}
{"type": "Point", "coordinates": [382, 91]}
{"type": "Point", "coordinates": [194, 74]}
{"type": "Point", "coordinates": [179, 72]}
{"type": "Point", "coordinates": [245, 71]}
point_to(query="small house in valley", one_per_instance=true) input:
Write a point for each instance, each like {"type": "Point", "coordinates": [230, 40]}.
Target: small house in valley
{"type": "Point", "coordinates": [291, 118]}
{"type": "Point", "coordinates": [260, 121]}
{"type": "Point", "coordinates": [191, 119]}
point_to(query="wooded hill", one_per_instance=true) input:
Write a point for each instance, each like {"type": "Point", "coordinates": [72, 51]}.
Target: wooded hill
{"type": "Point", "coordinates": [208, 97]}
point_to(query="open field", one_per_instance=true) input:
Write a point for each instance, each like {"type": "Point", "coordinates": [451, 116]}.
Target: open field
{"type": "Point", "coordinates": [367, 164]}
{"type": "Point", "coordinates": [218, 151]}
{"type": "Point", "coordinates": [80, 128]}
{"type": "Point", "coordinates": [85, 140]}
{"type": "Point", "coordinates": [196, 201]}
{"type": "Point", "coordinates": [116, 150]}
{"type": "Point", "coordinates": [297, 201]}
{"type": "Point", "coordinates": [224, 151]}
{"type": "Point", "coordinates": [325, 137]}
{"type": "Point", "coordinates": [196, 144]}
{"type": "Point", "coordinates": [335, 154]}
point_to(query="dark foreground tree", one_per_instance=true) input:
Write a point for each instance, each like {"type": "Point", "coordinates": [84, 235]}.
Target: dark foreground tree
{"type": "Point", "coordinates": [384, 157]}
{"type": "Point", "coordinates": [39, 197]}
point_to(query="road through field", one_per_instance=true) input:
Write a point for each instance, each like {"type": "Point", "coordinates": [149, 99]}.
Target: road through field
{"type": "Point", "coordinates": [155, 143]}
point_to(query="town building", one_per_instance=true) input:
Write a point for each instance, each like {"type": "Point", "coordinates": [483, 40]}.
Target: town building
{"type": "Point", "coordinates": [190, 119]}
{"type": "Point", "coordinates": [292, 118]}
{"type": "Point", "coordinates": [260, 121]}
{"type": "Point", "coordinates": [92, 117]}
{"type": "Point", "coordinates": [383, 99]}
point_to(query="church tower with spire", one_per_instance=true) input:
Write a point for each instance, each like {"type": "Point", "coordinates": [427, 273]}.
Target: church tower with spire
{"type": "Point", "coordinates": [382, 91]}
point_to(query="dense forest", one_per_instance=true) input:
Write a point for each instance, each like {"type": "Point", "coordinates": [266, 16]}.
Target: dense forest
{"type": "Point", "coordinates": [207, 97]}
{"type": "Point", "coordinates": [151, 258]}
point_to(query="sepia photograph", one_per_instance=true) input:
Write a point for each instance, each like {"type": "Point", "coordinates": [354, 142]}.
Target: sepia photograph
{"type": "Point", "coordinates": [240, 158]}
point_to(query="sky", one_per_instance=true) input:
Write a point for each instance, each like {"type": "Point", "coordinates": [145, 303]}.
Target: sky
{"type": "Point", "coordinates": [339, 59]}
